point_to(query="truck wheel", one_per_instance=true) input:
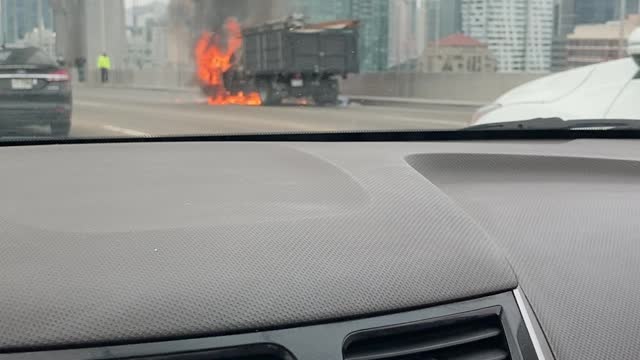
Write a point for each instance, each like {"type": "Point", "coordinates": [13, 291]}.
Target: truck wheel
{"type": "Point", "coordinates": [327, 94]}
{"type": "Point", "coordinates": [267, 95]}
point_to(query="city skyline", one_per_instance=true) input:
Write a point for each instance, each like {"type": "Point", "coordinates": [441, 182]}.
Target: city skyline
{"type": "Point", "coordinates": [374, 25]}
{"type": "Point", "coordinates": [523, 35]}
{"type": "Point", "coordinates": [518, 32]}
{"type": "Point", "coordinates": [19, 17]}
{"type": "Point", "coordinates": [444, 18]}
{"type": "Point", "coordinates": [407, 30]}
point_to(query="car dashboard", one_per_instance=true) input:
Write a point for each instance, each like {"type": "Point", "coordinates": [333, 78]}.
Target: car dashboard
{"type": "Point", "coordinates": [359, 251]}
{"type": "Point", "coordinates": [488, 328]}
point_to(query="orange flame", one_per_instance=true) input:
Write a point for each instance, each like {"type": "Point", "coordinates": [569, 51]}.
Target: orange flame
{"type": "Point", "coordinates": [213, 60]}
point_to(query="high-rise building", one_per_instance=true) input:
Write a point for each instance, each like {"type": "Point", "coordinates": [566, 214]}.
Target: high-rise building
{"type": "Point", "coordinates": [595, 11]}
{"type": "Point", "coordinates": [539, 36]}
{"type": "Point", "coordinates": [569, 13]}
{"type": "Point", "coordinates": [325, 10]}
{"type": "Point", "coordinates": [594, 43]}
{"type": "Point", "coordinates": [457, 53]}
{"type": "Point", "coordinates": [374, 33]}
{"type": "Point", "coordinates": [633, 7]}
{"type": "Point", "coordinates": [518, 32]}
{"type": "Point", "coordinates": [444, 18]}
{"type": "Point", "coordinates": [575, 12]}
{"type": "Point", "coordinates": [564, 21]}
{"type": "Point", "coordinates": [19, 17]}
{"type": "Point", "coordinates": [407, 30]}
{"type": "Point", "coordinates": [374, 25]}
{"type": "Point", "coordinates": [564, 17]}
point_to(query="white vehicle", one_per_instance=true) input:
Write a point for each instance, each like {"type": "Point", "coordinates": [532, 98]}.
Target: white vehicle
{"type": "Point", "coordinates": [608, 90]}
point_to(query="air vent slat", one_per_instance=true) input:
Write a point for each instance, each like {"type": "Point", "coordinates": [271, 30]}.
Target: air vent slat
{"type": "Point", "coordinates": [247, 352]}
{"type": "Point", "coordinates": [483, 355]}
{"type": "Point", "coordinates": [476, 335]}
{"type": "Point", "coordinates": [425, 344]}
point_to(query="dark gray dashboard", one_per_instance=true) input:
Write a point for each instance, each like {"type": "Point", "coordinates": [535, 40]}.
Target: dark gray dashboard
{"type": "Point", "coordinates": [114, 243]}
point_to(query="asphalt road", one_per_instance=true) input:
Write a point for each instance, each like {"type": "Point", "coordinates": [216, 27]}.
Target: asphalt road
{"type": "Point", "coordinates": [131, 112]}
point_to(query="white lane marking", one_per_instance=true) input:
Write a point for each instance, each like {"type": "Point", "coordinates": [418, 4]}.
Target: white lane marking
{"type": "Point", "coordinates": [124, 131]}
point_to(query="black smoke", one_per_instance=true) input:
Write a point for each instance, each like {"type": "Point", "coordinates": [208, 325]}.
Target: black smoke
{"type": "Point", "coordinates": [210, 15]}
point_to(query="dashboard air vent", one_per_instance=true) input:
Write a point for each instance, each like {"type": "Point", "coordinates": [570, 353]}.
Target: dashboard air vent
{"type": "Point", "coordinates": [476, 335]}
{"type": "Point", "coordinates": [249, 352]}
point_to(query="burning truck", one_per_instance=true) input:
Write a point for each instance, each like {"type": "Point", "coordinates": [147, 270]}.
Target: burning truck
{"type": "Point", "coordinates": [266, 64]}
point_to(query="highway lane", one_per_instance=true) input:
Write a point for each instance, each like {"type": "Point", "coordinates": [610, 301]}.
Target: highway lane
{"type": "Point", "coordinates": [108, 112]}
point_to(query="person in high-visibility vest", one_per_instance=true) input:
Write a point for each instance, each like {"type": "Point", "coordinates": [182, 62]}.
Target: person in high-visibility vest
{"type": "Point", "coordinates": [104, 65]}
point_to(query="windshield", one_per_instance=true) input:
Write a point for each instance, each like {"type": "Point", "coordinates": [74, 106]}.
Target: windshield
{"type": "Point", "coordinates": [26, 56]}
{"type": "Point", "coordinates": [141, 68]}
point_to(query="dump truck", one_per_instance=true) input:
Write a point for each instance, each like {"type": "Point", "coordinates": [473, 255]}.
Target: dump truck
{"type": "Point", "coordinates": [293, 59]}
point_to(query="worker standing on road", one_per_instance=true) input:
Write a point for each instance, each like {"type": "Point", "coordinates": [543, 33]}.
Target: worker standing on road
{"type": "Point", "coordinates": [104, 65]}
{"type": "Point", "coordinates": [80, 63]}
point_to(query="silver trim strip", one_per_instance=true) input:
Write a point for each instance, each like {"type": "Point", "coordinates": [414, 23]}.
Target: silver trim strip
{"type": "Point", "coordinates": [527, 322]}
{"type": "Point", "coordinates": [50, 77]}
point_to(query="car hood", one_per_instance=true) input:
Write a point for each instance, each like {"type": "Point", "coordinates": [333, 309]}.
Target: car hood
{"type": "Point", "coordinates": [603, 90]}
{"type": "Point", "coordinates": [548, 88]}
{"type": "Point", "coordinates": [580, 81]}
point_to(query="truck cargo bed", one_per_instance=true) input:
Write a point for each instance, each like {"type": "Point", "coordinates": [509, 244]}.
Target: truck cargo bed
{"type": "Point", "coordinates": [272, 50]}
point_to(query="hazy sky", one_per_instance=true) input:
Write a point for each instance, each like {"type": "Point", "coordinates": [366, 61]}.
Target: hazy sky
{"type": "Point", "coordinates": [130, 3]}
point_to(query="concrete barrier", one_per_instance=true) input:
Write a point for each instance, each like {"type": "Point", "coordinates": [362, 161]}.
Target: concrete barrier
{"type": "Point", "coordinates": [473, 87]}
{"type": "Point", "coordinates": [365, 99]}
{"type": "Point", "coordinates": [165, 77]}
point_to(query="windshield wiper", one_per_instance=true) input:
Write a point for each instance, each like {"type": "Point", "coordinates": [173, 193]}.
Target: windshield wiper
{"type": "Point", "coordinates": [556, 123]}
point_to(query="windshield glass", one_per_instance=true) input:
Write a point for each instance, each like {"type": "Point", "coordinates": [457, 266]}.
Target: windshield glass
{"type": "Point", "coordinates": [138, 68]}
{"type": "Point", "coordinates": [26, 56]}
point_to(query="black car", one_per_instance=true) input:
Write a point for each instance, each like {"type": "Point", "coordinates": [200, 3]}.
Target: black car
{"type": "Point", "coordinates": [34, 90]}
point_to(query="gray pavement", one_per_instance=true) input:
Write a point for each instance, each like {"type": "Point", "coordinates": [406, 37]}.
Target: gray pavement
{"type": "Point", "coordinates": [128, 112]}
